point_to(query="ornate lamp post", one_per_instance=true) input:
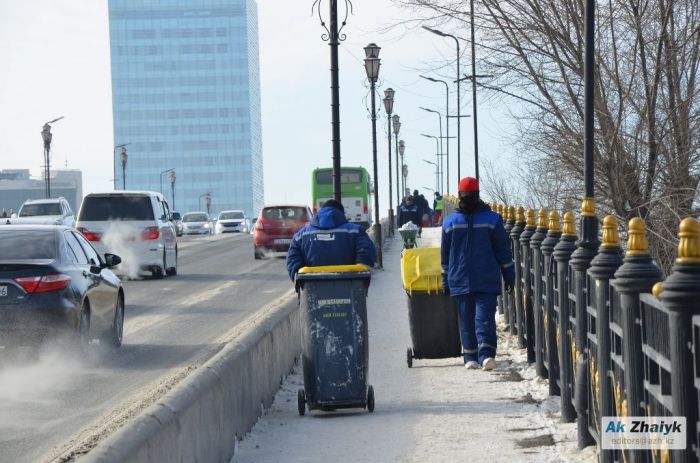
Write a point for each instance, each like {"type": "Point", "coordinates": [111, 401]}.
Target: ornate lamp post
{"type": "Point", "coordinates": [404, 167]}
{"type": "Point", "coordinates": [207, 201]}
{"type": "Point", "coordinates": [447, 127]}
{"type": "Point", "coordinates": [372, 63]}
{"type": "Point", "coordinates": [114, 161]}
{"type": "Point", "coordinates": [388, 107]}
{"type": "Point", "coordinates": [160, 177]}
{"type": "Point", "coordinates": [173, 177]}
{"type": "Point", "coordinates": [47, 137]}
{"type": "Point", "coordinates": [396, 121]}
{"type": "Point", "coordinates": [123, 157]}
{"type": "Point", "coordinates": [334, 37]}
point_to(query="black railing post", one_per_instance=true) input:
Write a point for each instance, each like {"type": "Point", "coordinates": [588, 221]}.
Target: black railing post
{"type": "Point", "coordinates": [680, 296]}
{"type": "Point", "coordinates": [526, 261]}
{"type": "Point", "coordinates": [603, 267]}
{"type": "Point", "coordinates": [537, 288]}
{"type": "Point", "coordinates": [509, 304]}
{"type": "Point", "coordinates": [562, 254]}
{"type": "Point", "coordinates": [636, 275]}
{"type": "Point", "coordinates": [550, 319]}
{"type": "Point", "coordinates": [515, 232]}
{"type": "Point", "coordinates": [501, 297]}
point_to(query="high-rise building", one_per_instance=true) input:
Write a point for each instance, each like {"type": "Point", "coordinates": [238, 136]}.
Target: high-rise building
{"type": "Point", "coordinates": [186, 96]}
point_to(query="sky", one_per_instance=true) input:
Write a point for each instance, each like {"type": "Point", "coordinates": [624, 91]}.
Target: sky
{"type": "Point", "coordinates": [55, 56]}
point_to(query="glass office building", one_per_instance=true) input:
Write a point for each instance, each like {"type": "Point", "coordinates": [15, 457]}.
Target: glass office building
{"type": "Point", "coordinates": [186, 96]}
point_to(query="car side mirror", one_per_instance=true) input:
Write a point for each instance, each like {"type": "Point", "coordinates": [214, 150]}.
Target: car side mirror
{"type": "Point", "coordinates": [175, 216]}
{"type": "Point", "coordinates": [112, 260]}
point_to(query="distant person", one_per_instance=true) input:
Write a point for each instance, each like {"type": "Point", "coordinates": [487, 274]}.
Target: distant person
{"type": "Point", "coordinates": [438, 206]}
{"type": "Point", "coordinates": [424, 207]}
{"type": "Point", "coordinates": [475, 253]}
{"type": "Point", "coordinates": [330, 240]}
{"type": "Point", "coordinates": [409, 212]}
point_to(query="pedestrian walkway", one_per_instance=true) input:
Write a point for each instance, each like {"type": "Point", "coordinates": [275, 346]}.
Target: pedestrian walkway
{"type": "Point", "coordinates": [436, 411]}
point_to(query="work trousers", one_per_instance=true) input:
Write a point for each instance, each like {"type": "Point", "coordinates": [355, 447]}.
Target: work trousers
{"type": "Point", "coordinates": [477, 326]}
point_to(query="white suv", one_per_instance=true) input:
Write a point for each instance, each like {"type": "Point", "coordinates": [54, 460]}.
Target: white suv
{"type": "Point", "coordinates": [135, 225]}
{"type": "Point", "coordinates": [52, 211]}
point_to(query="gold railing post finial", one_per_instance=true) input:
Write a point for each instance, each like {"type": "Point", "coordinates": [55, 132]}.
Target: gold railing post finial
{"type": "Point", "coordinates": [520, 216]}
{"type": "Point", "coordinates": [530, 222]}
{"type": "Point", "coordinates": [611, 237]}
{"type": "Point", "coordinates": [542, 218]}
{"type": "Point", "coordinates": [588, 207]}
{"type": "Point", "coordinates": [569, 224]}
{"type": "Point", "coordinates": [657, 289]}
{"type": "Point", "coordinates": [637, 244]}
{"type": "Point", "coordinates": [511, 213]}
{"type": "Point", "coordinates": [554, 225]}
{"type": "Point", "coordinates": [689, 245]}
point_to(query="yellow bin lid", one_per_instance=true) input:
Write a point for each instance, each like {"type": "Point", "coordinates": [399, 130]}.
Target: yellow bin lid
{"type": "Point", "coordinates": [421, 269]}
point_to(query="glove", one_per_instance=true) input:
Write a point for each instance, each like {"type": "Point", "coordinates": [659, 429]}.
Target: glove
{"type": "Point", "coordinates": [510, 284]}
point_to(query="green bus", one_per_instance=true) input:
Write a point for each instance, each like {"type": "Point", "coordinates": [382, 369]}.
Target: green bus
{"type": "Point", "coordinates": [354, 190]}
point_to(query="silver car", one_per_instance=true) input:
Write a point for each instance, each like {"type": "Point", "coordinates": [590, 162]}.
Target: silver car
{"type": "Point", "coordinates": [232, 221]}
{"type": "Point", "coordinates": [53, 211]}
{"type": "Point", "coordinates": [196, 223]}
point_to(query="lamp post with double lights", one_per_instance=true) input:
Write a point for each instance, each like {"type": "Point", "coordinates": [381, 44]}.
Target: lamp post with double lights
{"type": "Point", "coordinates": [173, 177]}
{"type": "Point", "coordinates": [47, 137]}
{"type": "Point", "coordinates": [389, 107]}
{"type": "Point", "coordinates": [447, 127]}
{"type": "Point", "coordinates": [207, 201]}
{"type": "Point", "coordinates": [123, 158]}
{"type": "Point", "coordinates": [437, 174]}
{"type": "Point", "coordinates": [172, 169]}
{"type": "Point", "coordinates": [372, 63]}
{"type": "Point", "coordinates": [442, 152]}
{"type": "Point", "coordinates": [437, 155]}
{"type": "Point", "coordinates": [114, 161]}
{"type": "Point", "coordinates": [459, 107]}
{"type": "Point", "coordinates": [396, 122]}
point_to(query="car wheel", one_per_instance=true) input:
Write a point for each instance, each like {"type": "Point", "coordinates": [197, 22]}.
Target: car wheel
{"type": "Point", "coordinates": [172, 271]}
{"type": "Point", "coordinates": [158, 272]}
{"type": "Point", "coordinates": [258, 254]}
{"type": "Point", "coordinates": [115, 336]}
{"type": "Point", "coordinates": [84, 326]}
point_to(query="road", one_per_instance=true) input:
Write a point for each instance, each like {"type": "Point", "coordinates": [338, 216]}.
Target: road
{"type": "Point", "coordinates": [56, 403]}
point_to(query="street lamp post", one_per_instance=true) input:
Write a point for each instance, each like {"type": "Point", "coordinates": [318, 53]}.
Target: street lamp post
{"type": "Point", "coordinates": [334, 37]}
{"type": "Point", "coordinates": [396, 121]}
{"type": "Point", "coordinates": [442, 171]}
{"type": "Point", "coordinates": [388, 107]}
{"type": "Point", "coordinates": [437, 174]}
{"type": "Point", "coordinates": [447, 127]}
{"type": "Point", "coordinates": [459, 107]}
{"type": "Point", "coordinates": [114, 162]}
{"type": "Point", "coordinates": [160, 178]}
{"type": "Point", "coordinates": [437, 153]}
{"type": "Point", "coordinates": [372, 63]}
{"type": "Point", "coordinates": [207, 201]}
{"type": "Point", "coordinates": [123, 157]}
{"type": "Point", "coordinates": [47, 137]}
{"type": "Point", "coordinates": [404, 168]}
{"type": "Point", "coordinates": [173, 177]}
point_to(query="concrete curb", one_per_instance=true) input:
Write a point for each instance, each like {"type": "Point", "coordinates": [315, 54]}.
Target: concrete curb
{"type": "Point", "coordinates": [201, 417]}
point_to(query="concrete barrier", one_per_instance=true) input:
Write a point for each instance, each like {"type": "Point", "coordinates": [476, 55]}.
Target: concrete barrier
{"type": "Point", "coordinates": [200, 418]}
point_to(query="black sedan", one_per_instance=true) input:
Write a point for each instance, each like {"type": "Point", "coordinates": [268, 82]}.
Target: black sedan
{"type": "Point", "coordinates": [53, 283]}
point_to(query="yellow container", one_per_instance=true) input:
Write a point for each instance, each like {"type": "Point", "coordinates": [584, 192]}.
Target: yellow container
{"type": "Point", "coordinates": [421, 269]}
{"type": "Point", "coordinates": [335, 269]}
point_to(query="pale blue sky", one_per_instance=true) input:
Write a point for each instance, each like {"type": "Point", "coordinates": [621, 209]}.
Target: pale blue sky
{"type": "Point", "coordinates": [55, 56]}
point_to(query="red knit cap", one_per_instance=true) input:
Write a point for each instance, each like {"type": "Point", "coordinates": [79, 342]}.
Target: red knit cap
{"type": "Point", "coordinates": [468, 185]}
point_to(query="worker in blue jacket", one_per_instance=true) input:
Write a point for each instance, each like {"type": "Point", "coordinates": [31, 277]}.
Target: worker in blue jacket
{"type": "Point", "coordinates": [330, 240]}
{"type": "Point", "coordinates": [409, 211]}
{"type": "Point", "coordinates": [475, 253]}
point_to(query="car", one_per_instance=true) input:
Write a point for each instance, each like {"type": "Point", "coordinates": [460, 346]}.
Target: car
{"type": "Point", "coordinates": [231, 221]}
{"type": "Point", "coordinates": [275, 227]}
{"type": "Point", "coordinates": [53, 283]}
{"type": "Point", "coordinates": [137, 225]}
{"type": "Point", "coordinates": [52, 211]}
{"type": "Point", "coordinates": [177, 220]}
{"type": "Point", "coordinates": [196, 223]}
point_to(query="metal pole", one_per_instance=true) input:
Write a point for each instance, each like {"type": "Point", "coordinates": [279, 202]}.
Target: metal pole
{"type": "Point", "coordinates": [335, 98]}
{"type": "Point", "coordinates": [172, 190]}
{"type": "Point", "coordinates": [48, 171]}
{"type": "Point", "coordinates": [123, 176]}
{"type": "Point", "coordinates": [459, 118]}
{"type": "Point", "coordinates": [391, 187]}
{"type": "Point", "coordinates": [476, 136]}
{"type": "Point", "coordinates": [447, 134]}
{"type": "Point", "coordinates": [377, 223]}
{"type": "Point", "coordinates": [399, 168]}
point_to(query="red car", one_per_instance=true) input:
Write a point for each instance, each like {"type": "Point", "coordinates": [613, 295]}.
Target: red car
{"type": "Point", "coordinates": [275, 227]}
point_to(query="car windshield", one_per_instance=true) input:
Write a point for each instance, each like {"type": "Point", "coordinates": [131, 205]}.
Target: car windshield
{"type": "Point", "coordinates": [284, 213]}
{"type": "Point", "coordinates": [231, 215]}
{"type": "Point", "coordinates": [27, 244]}
{"type": "Point", "coordinates": [195, 217]}
{"type": "Point", "coordinates": [38, 209]}
{"type": "Point", "coordinates": [116, 207]}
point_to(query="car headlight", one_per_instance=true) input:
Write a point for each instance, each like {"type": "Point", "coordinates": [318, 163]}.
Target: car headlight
{"type": "Point", "coordinates": [206, 225]}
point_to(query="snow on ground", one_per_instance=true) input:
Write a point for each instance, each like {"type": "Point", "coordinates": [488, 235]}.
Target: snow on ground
{"type": "Point", "coordinates": [436, 411]}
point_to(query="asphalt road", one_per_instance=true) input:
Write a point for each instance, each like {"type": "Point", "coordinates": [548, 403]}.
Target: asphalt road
{"type": "Point", "coordinates": [53, 402]}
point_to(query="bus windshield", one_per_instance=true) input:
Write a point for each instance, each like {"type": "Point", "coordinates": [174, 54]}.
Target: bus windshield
{"type": "Point", "coordinates": [325, 177]}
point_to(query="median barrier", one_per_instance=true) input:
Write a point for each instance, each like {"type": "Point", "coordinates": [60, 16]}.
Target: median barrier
{"type": "Point", "coordinates": [201, 418]}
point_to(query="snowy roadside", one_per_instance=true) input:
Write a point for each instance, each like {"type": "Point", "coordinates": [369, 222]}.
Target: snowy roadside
{"type": "Point", "coordinates": [436, 411]}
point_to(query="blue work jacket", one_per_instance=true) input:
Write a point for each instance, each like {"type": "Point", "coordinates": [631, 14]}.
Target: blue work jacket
{"type": "Point", "coordinates": [475, 252]}
{"type": "Point", "coordinates": [329, 240]}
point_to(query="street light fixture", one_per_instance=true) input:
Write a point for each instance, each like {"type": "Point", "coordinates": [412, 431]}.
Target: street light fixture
{"type": "Point", "coordinates": [447, 126]}
{"type": "Point", "coordinates": [441, 186]}
{"type": "Point", "coordinates": [207, 201]}
{"type": "Point", "coordinates": [404, 168]}
{"type": "Point", "coordinates": [173, 177]}
{"type": "Point", "coordinates": [47, 137]}
{"type": "Point", "coordinates": [123, 157]}
{"type": "Point", "coordinates": [160, 178]}
{"type": "Point", "coordinates": [437, 174]}
{"type": "Point", "coordinates": [396, 121]}
{"type": "Point", "coordinates": [388, 107]}
{"type": "Point", "coordinates": [114, 162]}
{"type": "Point", "coordinates": [437, 154]}
{"type": "Point", "coordinates": [372, 63]}
{"type": "Point", "coordinates": [459, 106]}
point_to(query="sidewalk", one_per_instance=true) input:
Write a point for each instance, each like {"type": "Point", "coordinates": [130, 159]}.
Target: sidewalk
{"type": "Point", "coordinates": [436, 411]}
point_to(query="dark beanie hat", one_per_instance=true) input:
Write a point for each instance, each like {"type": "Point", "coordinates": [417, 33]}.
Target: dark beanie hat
{"type": "Point", "coordinates": [335, 204]}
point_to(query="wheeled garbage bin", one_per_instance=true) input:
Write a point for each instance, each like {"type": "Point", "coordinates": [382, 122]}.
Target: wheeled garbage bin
{"type": "Point", "coordinates": [432, 314]}
{"type": "Point", "coordinates": [334, 339]}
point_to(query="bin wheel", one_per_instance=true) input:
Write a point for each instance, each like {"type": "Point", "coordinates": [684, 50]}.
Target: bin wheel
{"type": "Point", "coordinates": [409, 357]}
{"type": "Point", "coordinates": [370, 399]}
{"type": "Point", "coordinates": [301, 402]}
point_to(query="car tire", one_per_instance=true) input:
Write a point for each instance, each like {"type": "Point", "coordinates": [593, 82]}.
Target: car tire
{"type": "Point", "coordinates": [258, 254]}
{"type": "Point", "coordinates": [158, 271]}
{"type": "Point", "coordinates": [115, 335]}
{"type": "Point", "coordinates": [172, 271]}
{"type": "Point", "coordinates": [83, 328]}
